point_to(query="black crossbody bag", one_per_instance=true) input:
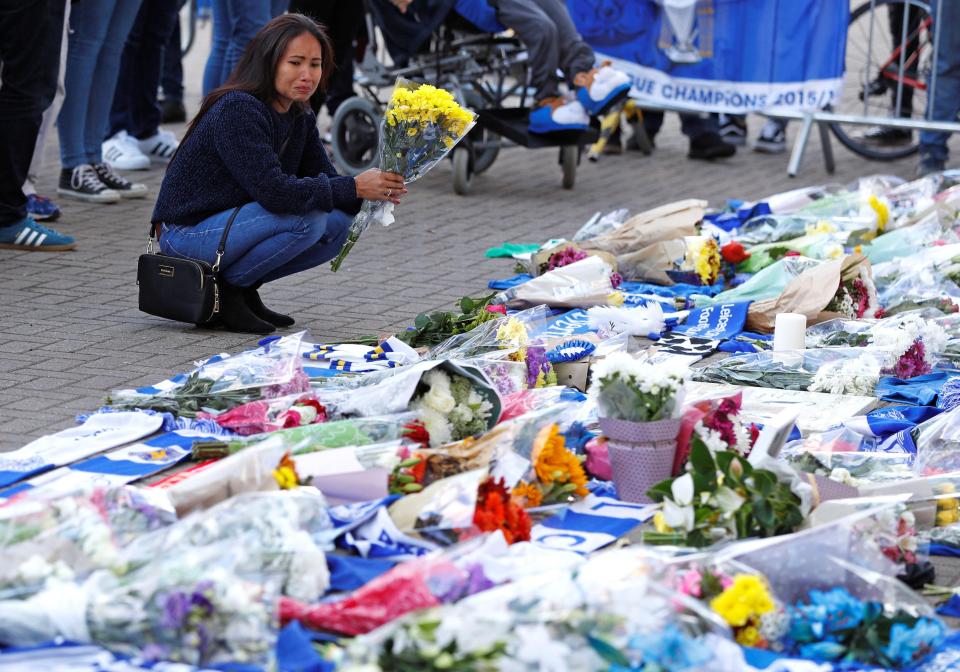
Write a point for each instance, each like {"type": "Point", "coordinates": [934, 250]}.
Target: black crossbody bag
{"type": "Point", "coordinates": [185, 290]}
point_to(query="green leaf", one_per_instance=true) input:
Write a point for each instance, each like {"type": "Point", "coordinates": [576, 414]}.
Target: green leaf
{"type": "Point", "coordinates": [608, 652]}
{"type": "Point", "coordinates": [661, 490]}
{"type": "Point", "coordinates": [701, 459]}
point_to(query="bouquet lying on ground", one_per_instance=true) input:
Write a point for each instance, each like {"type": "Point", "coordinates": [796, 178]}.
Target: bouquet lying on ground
{"type": "Point", "coordinates": [420, 126]}
{"type": "Point", "coordinates": [722, 497]}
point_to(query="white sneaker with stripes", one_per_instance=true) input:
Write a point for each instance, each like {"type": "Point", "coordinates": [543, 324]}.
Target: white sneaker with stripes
{"type": "Point", "coordinates": [121, 152]}
{"type": "Point", "coordinates": [160, 147]}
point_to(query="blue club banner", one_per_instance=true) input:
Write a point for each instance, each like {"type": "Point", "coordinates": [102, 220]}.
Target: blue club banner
{"type": "Point", "coordinates": [732, 56]}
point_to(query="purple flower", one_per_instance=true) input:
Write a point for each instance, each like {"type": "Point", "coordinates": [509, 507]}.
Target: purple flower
{"type": "Point", "coordinates": [616, 279]}
{"type": "Point", "coordinates": [537, 363]}
{"type": "Point", "coordinates": [477, 581]}
{"type": "Point", "coordinates": [176, 606]}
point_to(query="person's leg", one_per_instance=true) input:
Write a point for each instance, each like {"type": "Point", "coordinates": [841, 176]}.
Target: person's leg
{"type": "Point", "coordinates": [88, 28]}
{"type": "Point", "coordinates": [346, 22]}
{"type": "Point", "coordinates": [247, 17]}
{"type": "Point", "coordinates": [122, 114]}
{"type": "Point", "coordinates": [23, 26]}
{"type": "Point", "coordinates": [259, 241]}
{"type": "Point", "coordinates": [575, 55]}
{"type": "Point", "coordinates": [171, 75]}
{"type": "Point", "coordinates": [704, 133]}
{"type": "Point", "coordinates": [41, 208]}
{"type": "Point", "coordinates": [30, 53]}
{"type": "Point", "coordinates": [59, 17]}
{"type": "Point", "coordinates": [162, 17]}
{"type": "Point", "coordinates": [337, 228]}
{"type": "Point", "coordinates": [945, 104]}
{"type": "Point", "coordinates": [213, 72]}
{"type": "Point", "coordinates": [122, 15]}
{"type": "Point", "coordinates": [541, 38]}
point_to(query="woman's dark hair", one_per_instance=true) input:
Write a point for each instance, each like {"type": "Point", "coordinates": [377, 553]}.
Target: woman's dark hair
{"type": "Point", "coordinates": [256, 72]}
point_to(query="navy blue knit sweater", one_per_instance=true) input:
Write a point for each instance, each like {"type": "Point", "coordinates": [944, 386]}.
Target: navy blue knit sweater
{"type": "Point", "coordinates": [231, 158]}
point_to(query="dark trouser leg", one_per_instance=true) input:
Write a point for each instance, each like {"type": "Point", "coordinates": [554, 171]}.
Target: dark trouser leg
{"type": "Point", "coordinates": [540, 35]}
{"type": "Point", "coordinates": [342, 19]}
{"type": "Point", "coordinates": [692, 125]}
{"type": "Point", "coordinates": [135, 108]}
{"type": "Point", "coordinates": [31, 60]}
{"type": "Point", "coordinates": [171, 77]}
{"type": "Point", "coordinates": [575, 55]}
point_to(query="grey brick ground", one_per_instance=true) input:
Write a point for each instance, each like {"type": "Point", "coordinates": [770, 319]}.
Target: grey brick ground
{"type": "Point", "coordinates": [70, 330]}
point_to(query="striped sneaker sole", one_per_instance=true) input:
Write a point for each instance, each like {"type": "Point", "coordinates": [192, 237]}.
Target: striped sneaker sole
{"type": "Point", "coordinates": [111, 197]}
{"type": "Point", "coordinates": [32, 241]}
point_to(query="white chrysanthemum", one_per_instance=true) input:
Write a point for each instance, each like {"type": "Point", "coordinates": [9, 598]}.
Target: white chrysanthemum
{"type": "Point", "coordinates": [439, 397]}
{"type": "Point", "coordinates": [435, 423]}
{"type": "Point", "coordinates": [711, 438]}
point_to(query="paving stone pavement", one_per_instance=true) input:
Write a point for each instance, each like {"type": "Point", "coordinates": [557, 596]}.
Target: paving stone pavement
{"type": "Point", "coordinates": [70, 330]}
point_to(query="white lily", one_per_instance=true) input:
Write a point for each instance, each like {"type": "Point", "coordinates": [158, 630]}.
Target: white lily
{"type": "Point", "coordinates": [728, 500]}
{"type": "Point", "coordinates": [678, 511]}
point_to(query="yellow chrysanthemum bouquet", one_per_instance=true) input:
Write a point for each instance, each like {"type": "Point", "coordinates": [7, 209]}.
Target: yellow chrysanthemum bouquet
{"type": "Point", "coordinates": [419, 128]}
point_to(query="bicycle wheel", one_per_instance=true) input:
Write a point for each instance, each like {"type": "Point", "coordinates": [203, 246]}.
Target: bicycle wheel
{"type": "Point", "coordinates": [874, 76]}
{"type": "Point", "coordinates": [356, 135]}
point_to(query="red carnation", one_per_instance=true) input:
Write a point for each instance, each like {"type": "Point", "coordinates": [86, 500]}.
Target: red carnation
{"type": "Point", "coordinates": [734, 253]}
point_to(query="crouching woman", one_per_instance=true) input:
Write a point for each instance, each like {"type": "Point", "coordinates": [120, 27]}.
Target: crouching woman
{"type": "Point", "coordinates": [254, 144]}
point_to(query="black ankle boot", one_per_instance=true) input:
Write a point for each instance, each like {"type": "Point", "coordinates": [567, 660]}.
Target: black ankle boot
{"type": "Point", "coordinates": [255, 304]}
{"type": "Point", "coordinates": [235, 314]}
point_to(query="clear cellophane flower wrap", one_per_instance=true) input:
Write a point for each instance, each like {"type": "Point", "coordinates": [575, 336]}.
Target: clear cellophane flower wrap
{"type": "Point", "coordinates": [582, 284]}
{"type": "Point", "coordinates": [315, 437]}
{"type": "Point", "coordinates": [284, 534]}
{"type": "Point", "coordinates": [937, 444]}
{"type": "Point", "coordinates": [67, 538]}
{"type": "Point", "coordinates": [574, 619]}
{"type": "Point", "coordinates": [419, 128]}
{"type": "Point", "coordinates": [736, 593]}
{"type": "Point", "coordinates": [442, 577]}
{"type": "Point", "coordinates": [196, 607]}
{"type": "Point", "coordinates": [846, 603]}
{"type": "Point", "coordinates": [272, 370]}
{"type": "Point", "coordinates": [488, 339]}
{"type": "Point", "coordinates": [426, 387]}
{"type": "Point", "coordinates": [856, 370]}
{"type": "Point", "coordinates": [919, 280]}
{"type": "Point", "coordinates": [766, 229]}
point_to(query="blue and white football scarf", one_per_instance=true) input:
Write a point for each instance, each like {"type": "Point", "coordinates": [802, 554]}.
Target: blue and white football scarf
{"type": "Point", "coordinates": [97, 434]}
{"type": "Point", "coordinates": [590, 524]}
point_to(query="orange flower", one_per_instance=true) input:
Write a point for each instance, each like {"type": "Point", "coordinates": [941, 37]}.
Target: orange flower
{"type": "Point", "coordinates": [528, 494]}
{"type": "Point", "coordinates": [553, 462]}
{"type": "Point", "coordinates": [495, 511]}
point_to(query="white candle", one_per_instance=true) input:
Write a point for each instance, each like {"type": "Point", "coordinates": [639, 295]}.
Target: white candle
{"type": "Point", "coordinates": [789, 332]}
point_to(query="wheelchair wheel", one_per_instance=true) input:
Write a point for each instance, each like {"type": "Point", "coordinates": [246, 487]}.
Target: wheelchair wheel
{"type": "Point", "coordinates": [462, 171]}
{"type": "Point", "coordinates": [356, 131]}
{"type": "Point", "coordinates": [487, 142]}
{"type": "Point", "coordinates": [569, 157]}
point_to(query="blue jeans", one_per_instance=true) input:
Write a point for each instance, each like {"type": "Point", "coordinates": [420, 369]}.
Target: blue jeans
{"type": "Point", "coordinates": [261, 246]}
{"type": "Point", "coordinates": [98, 31]}
{"type": "Point", "coordinates": [235, 22]}
{"type": "Point", "coordinates": [945, 105]}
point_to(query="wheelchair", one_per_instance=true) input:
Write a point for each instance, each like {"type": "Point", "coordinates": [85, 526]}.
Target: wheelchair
{"type": "Point", "coordinates": [458, 46]}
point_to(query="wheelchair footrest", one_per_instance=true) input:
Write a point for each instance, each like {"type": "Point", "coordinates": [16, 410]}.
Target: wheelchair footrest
{"type": "Point", "coordinates": [511, 123]}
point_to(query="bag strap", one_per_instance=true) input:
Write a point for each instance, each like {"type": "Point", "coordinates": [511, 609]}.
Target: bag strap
{"type": "Point", "coordinates": [223, 239]}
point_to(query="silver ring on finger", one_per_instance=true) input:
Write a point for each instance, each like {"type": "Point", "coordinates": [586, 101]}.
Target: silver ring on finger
{"type": "Point", "coordinates": [389, 193]}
